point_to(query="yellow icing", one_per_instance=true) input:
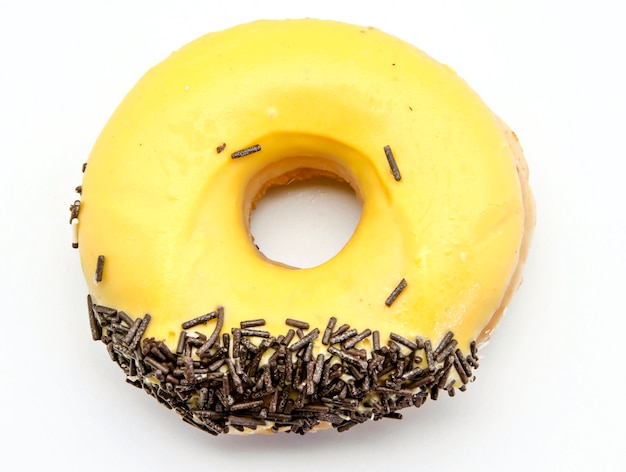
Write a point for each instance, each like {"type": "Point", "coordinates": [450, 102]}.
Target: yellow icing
{"type": "Point", "coordinates": [170, 213]}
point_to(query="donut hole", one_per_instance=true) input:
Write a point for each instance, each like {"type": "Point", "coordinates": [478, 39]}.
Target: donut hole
{"type": "Point", "coordinates": [304, 217]}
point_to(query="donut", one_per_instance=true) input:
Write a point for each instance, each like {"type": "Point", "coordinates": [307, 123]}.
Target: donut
{"type": "Point", "coordinates": [201, 320]}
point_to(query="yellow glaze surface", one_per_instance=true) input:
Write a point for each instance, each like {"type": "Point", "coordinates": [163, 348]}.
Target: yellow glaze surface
{"type": "Point", "coordinates": [170, 213]}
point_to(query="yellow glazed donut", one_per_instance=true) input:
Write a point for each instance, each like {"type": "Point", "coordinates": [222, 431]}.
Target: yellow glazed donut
{"type": "Point", "coordinates": [202, 321]}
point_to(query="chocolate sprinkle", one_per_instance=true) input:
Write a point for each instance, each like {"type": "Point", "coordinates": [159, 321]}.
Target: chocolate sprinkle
{"type": "Point", "coordinates": [251, 323]}
{"type": "Point", "coordinates": [404, 341]}
{"type": "Point", "coordinates": [395, 293]}
{"type": "Point", "coordinates": [218, 327]}
{"type": "Point", "coordinates": [329, 330]}
{"type": "Point", "coordinates": [392, 163]}
{"type": "Point", "coordinates": [305, 340]}
{"type": "Point", "coordinates": [296, 323]}
{"type": "Point", "coordinates": [99, 269]}
{"type": "Point", "coordinates": [376, 340]}
{"type": "Point", "coordinates": [246, 152]}
{"type": "Point", "coordinates": [220, 148]}
{"type": "Point", "coordinates": [199, 320]}
{"type": "Point", "coordinates": [96, 328]}
{"type": "Point", "coordinates": [342, 337]}
{"type": "Point", "coordinates": [268, 382]}
{"type": "Point", "coordinates": [358, 338]}
{"type": "Point", "coordinates": [429, 355]}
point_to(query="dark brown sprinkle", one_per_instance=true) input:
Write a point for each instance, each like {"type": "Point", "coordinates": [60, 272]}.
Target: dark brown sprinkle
{"type": "Point", "coordinates": [376, 340]}
{"type": "Point", "coordinates": [172, 380]}
{"type": "Point", "coordinates": [308, 353]}
{"type": "Point", "coordinates": [396, 292]}
{"type": "Point", "coordinates": [246, 152]}
{"type": "Point", "coordinates": [342, 329]}
{"type": "Point", "coordinates": [247, 405]}
{"type": "Point", "coordinates": [310, 384]}
{"type": "Point", "coordinates": [442, 375]}
{"type": "Point", "coordinates": [236, 342]}
{"type": "Point", "coordinates": [245, 421]}
{"type": "Point", "coordinates": [288, 337]}
{"type": "Point", "coordinates": [189, 371]}
{"type": "Point", "coordinates": [277, 384]}
{"type": "Point", "coordinates": [99, 269]}
{"type": "Point", "coordinates": [360, 353]}
{"type": "Point", "coordinates": [105, 310]}
{"type": "Point", "coordinates": [120, 349]}
{"type": "Point", "coordinates": [443, 343]}
{"type": "Point", "coordinates": [344, 336]}
{"type": "Point", "coordinates": [413, 373]}
{"type": "Point", "coordinates": [194, 341]}
{"type": "Point", "coordinates": [404, 341]}
{"type": "Point", "coordinates": [430, 360]}
{"type": "Point", "coordinates": [319, 367]}
{"type": "Point", "coordinates": [234, 375]}
{"type": "Point", "coordinates": [332, 321]}
{"type": "Point", "coordinates": [221, 147]}
{"type": "Point", "coordinates": [96, 329]}
{"type": "Point", "coordinates": [216, 364]}
{"type": "Point", "coordinates": [424, 381]}
{"type": "Point", "coordinates": [472, 361]}
{"type": "Point", "coordinates": [156, 365]}
{"type": "Point", "coordinates": [346, 426]}
{"type": "Point", "coordinates": [132, 331]}
{"type": "Point", "coordinates": [247, 344]}
{"type": "Point", "coordinates": [123, 316]}
{"type": "Point", "coordinates": [392, 163]}
{"type": "Point", "coordinates": [84, 168]}
{"type": "Point", "coordinates": [474, 351]}
{"type": "Point", "coordinates": [74, 209]}
{"type": "Point", "coordinates": [459, 370]}
{"type": "Point", "coordinates": [79, 189]}
{"type": "Point", "coordinates": [356, 339]}
{"type": "Point", "coordinates": [254, 332]}
{"type": "Point", "coordinates": [251, 323]}
{"type": "Point", "coordinates": [463, 363]}
{"type": "Point", "coordinates": [305, 340]}
{"type": "Point", "coordinates": [139, 333]}
{"type": "Point", "coordinates": [450, 387]}
{"type": "Point", "coordinates": [347, 357]}
{"type": "Point", "coordinates": [165, 352]}
{"type": "Point", "coordinates": [216, 332]}
{"type": "Point", "coordinates": [203, 319]}
{"type": "Point", "coordinates": [393, 391]}
{"type": "Point", "coordinates": [446, 351]}
{"type": "Point", "coordinates": [297, 324]}
{"type": "Point", "coordinates": [180, 348]}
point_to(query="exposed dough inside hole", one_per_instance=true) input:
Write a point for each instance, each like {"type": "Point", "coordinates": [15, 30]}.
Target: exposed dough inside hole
{"type": "Point", "coordinates": [302, 217]}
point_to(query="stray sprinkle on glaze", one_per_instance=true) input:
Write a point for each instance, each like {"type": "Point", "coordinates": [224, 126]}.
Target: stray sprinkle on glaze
{"type": "Point", "coordinates": [392, 163]}
{"type": "Point", "coordinates": [246, 152]}
{"type": "Point", "coordinates": [99, 269]}
{"type": "Point", "coordinates": [396, 292]}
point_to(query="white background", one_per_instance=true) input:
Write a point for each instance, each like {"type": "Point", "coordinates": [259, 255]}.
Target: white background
{"type": "Point", "coordinates": [550, 390]}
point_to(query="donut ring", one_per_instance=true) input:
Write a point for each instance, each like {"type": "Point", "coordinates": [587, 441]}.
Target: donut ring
{"type": "Point", "coordinates": [197, 317]}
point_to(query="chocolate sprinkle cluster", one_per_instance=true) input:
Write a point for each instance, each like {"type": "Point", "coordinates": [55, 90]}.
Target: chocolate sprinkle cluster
{"type": "Point", "coordinates": [250, 378]}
